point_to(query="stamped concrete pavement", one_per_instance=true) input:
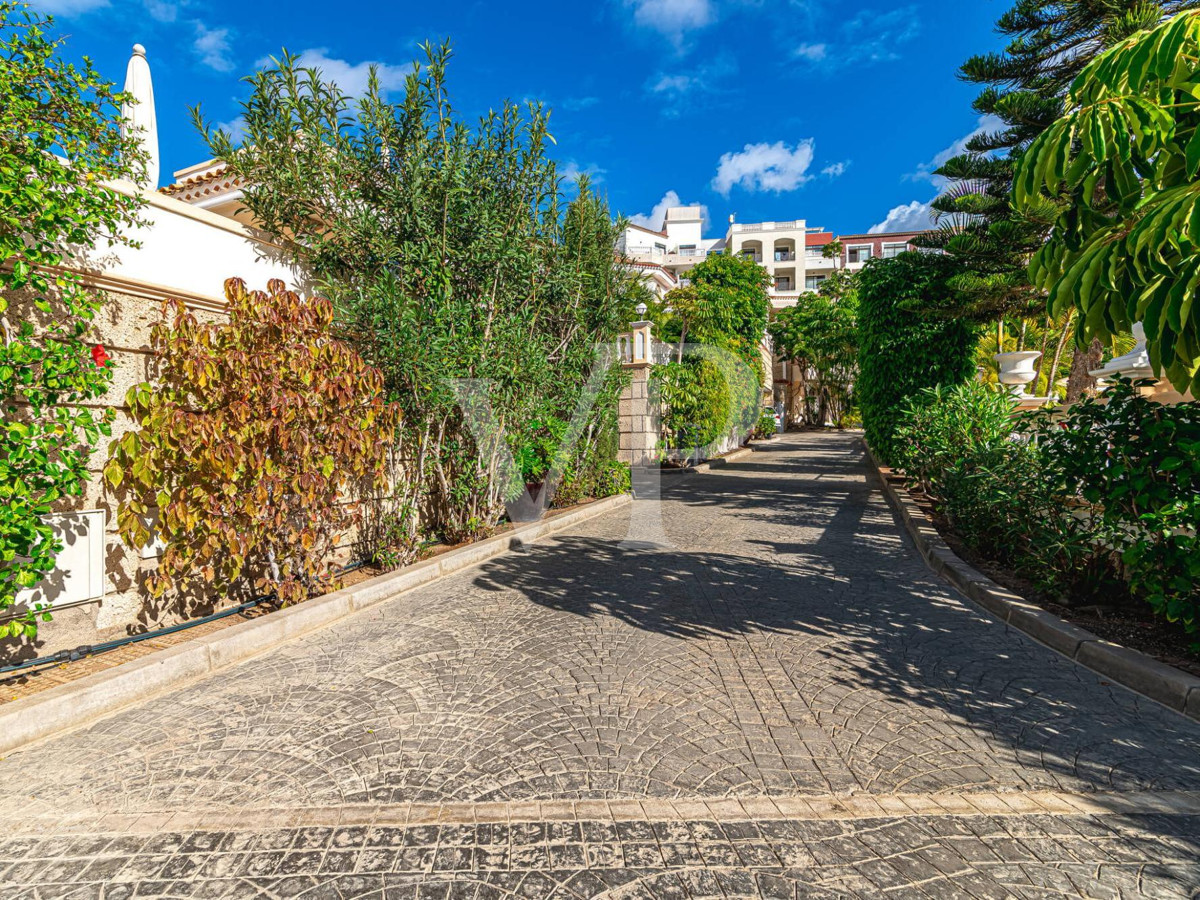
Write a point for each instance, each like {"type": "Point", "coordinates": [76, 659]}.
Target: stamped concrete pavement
{"type": "Point", "coordinates": [784, 703]}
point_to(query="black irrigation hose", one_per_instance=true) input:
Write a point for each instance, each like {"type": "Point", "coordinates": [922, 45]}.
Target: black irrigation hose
{"type": "Point", "coordinates": [78, 653]}
{"type": "Point", "coordinates": [63, 656]}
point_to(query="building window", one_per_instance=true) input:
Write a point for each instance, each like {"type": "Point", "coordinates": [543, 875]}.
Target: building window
{"type": "Point", "coordinates": [783, 254]}
{"type": "Point", "coordinates": [892, 250]}
{"type": "Point", "coordinates": [660, 248]}
{"type": "Point", "coordinates": [783, 283]}
{"type": "Point", "coordinates": [812, 282]}
{"type": "Point", "coordinates": [814, 252]}
{"type": "Point", "coordinates": [858, 254]}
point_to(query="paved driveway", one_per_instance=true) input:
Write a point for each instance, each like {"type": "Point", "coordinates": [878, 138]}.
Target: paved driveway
{"type": "Point", "coordinates": [787, 703]}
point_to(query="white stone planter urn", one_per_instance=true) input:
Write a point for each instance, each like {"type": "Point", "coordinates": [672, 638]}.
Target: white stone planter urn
{"type": "Point", "coordinates": [1017, 369]}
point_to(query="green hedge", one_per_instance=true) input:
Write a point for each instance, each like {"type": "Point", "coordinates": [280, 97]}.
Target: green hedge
{"type": "Point", "coordinates": [901, 351]}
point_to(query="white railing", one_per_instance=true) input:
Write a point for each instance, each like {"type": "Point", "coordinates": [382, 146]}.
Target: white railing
{"type": "Point", "coordinates": [768, 226]}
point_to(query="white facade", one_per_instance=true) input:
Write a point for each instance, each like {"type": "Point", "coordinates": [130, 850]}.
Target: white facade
{"type": "Point", "coordinates": [782, 248]}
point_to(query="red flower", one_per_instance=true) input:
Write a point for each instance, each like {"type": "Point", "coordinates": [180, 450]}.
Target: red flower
{"type": "Point", "coordinates": [99, 355]}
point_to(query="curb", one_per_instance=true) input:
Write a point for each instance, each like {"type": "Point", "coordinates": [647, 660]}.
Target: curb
{"type": "Point", "coordinates": [81, 702]}
{"type": "Point", "coordinates": [708, 464]}
{"type": "Point", "coordinates": [1140, 673]}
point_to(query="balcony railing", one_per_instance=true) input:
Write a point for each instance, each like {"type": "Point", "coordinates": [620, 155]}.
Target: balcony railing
{"type": "Point", "coordinates": [755, 257]}
{"type": "Point", "coordinates": [768, 226]}
{"type": "Point", "coordinates": [785, 256]}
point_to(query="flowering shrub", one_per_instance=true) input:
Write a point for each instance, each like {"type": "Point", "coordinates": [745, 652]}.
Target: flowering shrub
{"type": "Point", "coordinates": [250, 443]}
{"type": "Point", "coordinates": [59, 143]}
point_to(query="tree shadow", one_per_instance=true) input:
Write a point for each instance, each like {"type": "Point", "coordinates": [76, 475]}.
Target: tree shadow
{"type": "Point", "coordinates": [918, 688]}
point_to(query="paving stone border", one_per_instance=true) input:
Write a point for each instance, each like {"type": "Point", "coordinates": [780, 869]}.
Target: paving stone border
{"type": "Point", "coordinates": [841, 807]}
{"type": "Point", "coordinates": [1140, 673]}
{"type": "Point", "coordinates": [77, 703]}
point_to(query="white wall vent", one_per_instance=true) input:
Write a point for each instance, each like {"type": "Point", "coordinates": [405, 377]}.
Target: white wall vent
{"type": "Point", "coordinates": [79, 570]}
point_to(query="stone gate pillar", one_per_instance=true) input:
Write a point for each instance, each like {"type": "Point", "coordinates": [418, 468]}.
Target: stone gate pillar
{"type": "Point", "coordinates": [639, 425]}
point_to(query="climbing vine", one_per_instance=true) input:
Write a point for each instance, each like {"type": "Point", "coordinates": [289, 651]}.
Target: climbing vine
{"type": "Point", "coordinates": [60, 147]}
{"type": "Point", "coordinates": [251, 444]}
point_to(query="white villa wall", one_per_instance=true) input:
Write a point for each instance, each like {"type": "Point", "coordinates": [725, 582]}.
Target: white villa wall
{"type": "Point", "coordinates": [188, 252]}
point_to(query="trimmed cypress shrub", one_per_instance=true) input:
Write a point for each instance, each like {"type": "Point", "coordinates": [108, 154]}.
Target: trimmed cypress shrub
{"type": "Point", "coordinates": [901, 350]}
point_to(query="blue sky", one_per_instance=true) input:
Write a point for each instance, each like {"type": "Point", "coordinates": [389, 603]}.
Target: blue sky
{"type": "Point", "coordinates": [768, 109]}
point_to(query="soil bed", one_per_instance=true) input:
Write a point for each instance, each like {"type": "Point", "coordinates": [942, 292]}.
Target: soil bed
{"type": "Point", "coordinates": [1134, 627]}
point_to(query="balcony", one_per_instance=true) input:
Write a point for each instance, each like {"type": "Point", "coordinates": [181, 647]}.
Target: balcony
{"type": "Point", "coordinates": [785, 256]}
{"type": "Point", "coordinates": [753, 257]}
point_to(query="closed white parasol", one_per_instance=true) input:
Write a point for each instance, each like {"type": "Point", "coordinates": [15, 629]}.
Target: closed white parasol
{"type": "Point", "coordinates": [140, 120]}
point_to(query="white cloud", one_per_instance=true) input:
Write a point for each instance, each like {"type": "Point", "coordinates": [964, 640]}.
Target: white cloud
{"type": "Point", "coordinates": [673, 18]}
{"type": "Point", "coordinates": [162, 10]}
{"type": "Point", "coordinates": [776, 167]}
{"type": "Point", "coordinates": [572, 172]}
{"type": "Point", "coordinates": [811, 52]}
{"type": "Point", "coordinates": [674, 87]}
{"type": "Point", "coordinates": [656, 217]}
{"type": "Point", "coordinates": [836, 169]}
{"type": "Point", "coordinates": [212, 46]}
{"type": "Point", "coordinates": [68, 7]}
{"type": "Point", "coordinates": [671, 84]}
{"type": "Point", "coordinates": [159, 10]}
{"type": "Point", "coordinates": [352, 77]}
{"type": "Point", "coordinates": [872, 36]}
{"type": "Point", "coordinates": [915, 216]}
{"type": "Point", "coordinates": [925, 172]}
{"type": "Point", "coordinates": [869, 37]}
{"type": "Point", "coordinates": [575, 104]}
{"type": "Point", "coordinates": [235, 127]}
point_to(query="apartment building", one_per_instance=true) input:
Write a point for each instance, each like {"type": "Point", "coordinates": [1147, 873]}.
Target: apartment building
{"type": "Point", "coordinates": [793, 253]}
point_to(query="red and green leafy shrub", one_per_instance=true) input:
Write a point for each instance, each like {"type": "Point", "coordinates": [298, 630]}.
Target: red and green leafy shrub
{"type": "Point", "coordinates": [252, 440]}
{"type": "Point", "coordinates": [60, 142]}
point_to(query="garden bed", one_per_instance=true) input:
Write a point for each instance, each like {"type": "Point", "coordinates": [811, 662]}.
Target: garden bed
{"type": "Point", "coordinates": [17, 685]}
{"type": "Point", "coordinates": [1134, 627]}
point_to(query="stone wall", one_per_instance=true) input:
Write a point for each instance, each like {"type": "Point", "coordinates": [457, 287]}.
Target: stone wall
{"type": "Point", "coordinates": [183, 253]}
{"type": "Point", "coordinates": [123, 327]}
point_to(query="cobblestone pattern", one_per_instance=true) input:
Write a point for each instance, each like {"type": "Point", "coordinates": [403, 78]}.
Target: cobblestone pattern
{"type": "Point", "coordinates": [963, 856]}
{"type": "Point", "coordinates": [790, 645]}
